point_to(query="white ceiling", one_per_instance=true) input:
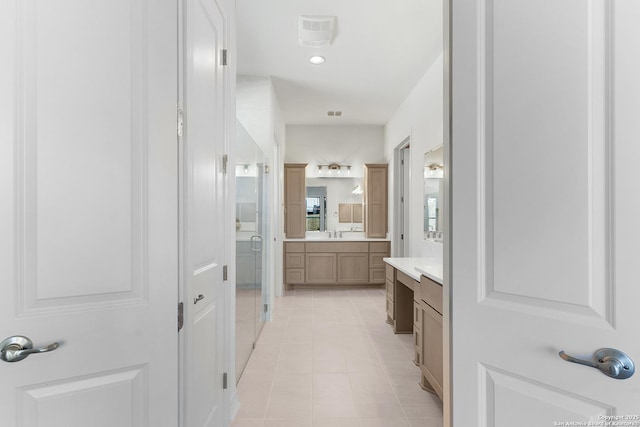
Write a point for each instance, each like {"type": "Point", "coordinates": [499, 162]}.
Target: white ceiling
{"type": "Point", "coordinates": [381, 50]}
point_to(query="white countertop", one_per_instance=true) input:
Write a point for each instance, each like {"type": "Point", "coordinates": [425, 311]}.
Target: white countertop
{"type": "Point", "coordinates": [415, 267]}
{"type": "Point", "coordinates": [338, 240]}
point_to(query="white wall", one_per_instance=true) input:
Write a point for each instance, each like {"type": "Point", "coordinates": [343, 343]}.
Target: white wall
{"type": "Point", "coordinates": [421, 118]}
{"type": "Point", "coordinates": [346, 145]}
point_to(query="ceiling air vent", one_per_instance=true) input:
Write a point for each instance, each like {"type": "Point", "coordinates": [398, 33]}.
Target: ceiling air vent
{"type": "Point", "coordinates": [334, 113]}
{"type": "Point", "coordinates": [316, 31]}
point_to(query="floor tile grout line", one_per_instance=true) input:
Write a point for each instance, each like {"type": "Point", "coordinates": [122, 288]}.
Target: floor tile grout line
{"type": "Point", "coordinates": [275, 371]}
{"type": "Point", "coordinates": [387, 375]}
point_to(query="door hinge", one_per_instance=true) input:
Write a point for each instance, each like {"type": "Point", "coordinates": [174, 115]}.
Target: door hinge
{"type": "Point", "coordinates": [402, 199]}
{"type": "Point", "coordinates": [224, 381]}
{"type": "Point", "coordinates": [225, 161]}
{"type": "Point", "coordinates": [180, 316]}
{"type": "Point", "coordinates": [223, 57]}
{"type": "Point", "coordinates": [180, 123]}
{"type": "Point", "coordinates": [254, 346]}
{"type": "Point", "coordinates": [225, 273]}
{"type": "Point", "coordinates": [402, 162]}
{"type": "Point", "coordinates": [266, 308]}
{"type": "Point", "coordinates": [402, 237]}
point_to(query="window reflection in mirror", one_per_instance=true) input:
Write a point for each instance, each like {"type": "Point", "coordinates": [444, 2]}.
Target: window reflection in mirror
{"type": "Point", "coordinates": [339, 201]}
{"type": "Point", "coordinates": [433, 194]}
{"type": "Point", "coordinates": [316, 208]}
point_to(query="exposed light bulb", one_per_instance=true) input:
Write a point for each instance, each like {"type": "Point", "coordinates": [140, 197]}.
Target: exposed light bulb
{"type": "Point", "coordinates": [316, 59]}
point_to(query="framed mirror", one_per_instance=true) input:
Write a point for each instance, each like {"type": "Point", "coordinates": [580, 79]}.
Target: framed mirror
{"type": "Point", "coordinates": [433, 194]}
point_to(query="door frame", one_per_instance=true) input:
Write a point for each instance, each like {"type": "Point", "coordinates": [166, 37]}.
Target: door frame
{"type": "Point", "coordinates": [401, 189]}
{"type": "Point", "coordinates": [230, 398]}
{"type": "Point", "coordinates": [447, 300]}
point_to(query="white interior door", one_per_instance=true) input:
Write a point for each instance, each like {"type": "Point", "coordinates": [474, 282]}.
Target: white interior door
{"type": "Point", "coordinates": [205, 203]}
{"type": "Point", "coordinates": [545, 211]}
{"type": "Point", "coordinates": [88, 212]}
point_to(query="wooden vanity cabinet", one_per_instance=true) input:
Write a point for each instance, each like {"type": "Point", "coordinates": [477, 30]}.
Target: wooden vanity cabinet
{"type": "Point", "coordinates": [390, 280]}
{"type": "Point", "coordinates": [321, 268]}
{"type": "Point", "coordinates": [378, 251]}
{"type": "Point", "coordinates": [429, 314]}
{"type": "Point", "coordinates": [294, 262]}
{"type": "Point", "coordinates": [295, 200]}
{"type": "Point", "coordinates": [353, 268]}
{"type": "Point", "coordinates": [334, 263]}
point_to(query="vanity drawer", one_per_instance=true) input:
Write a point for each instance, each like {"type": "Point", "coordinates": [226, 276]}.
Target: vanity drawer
{"type": "Point", "coordinates": [390, 275]}
{"type": "Point", "coordinates": [379, 247]}
{"type": "Point", "coordinates": [375, 260]}
{"type": "Point", "coordinates": [390, 289]}
{"type": "Point", "coordinates": [293, 247]}
{"type": "Point", "coordinates": [294, 276]}
{"type": "Point", "coordinates": [294, 260]}
{"type": "Point", "coordinates": [431, 293]}
{"type": "Point", "coordinates": [337, 247]}
{"type": "Point", "coordinates": [417, 347]}
{"type": "Point", "coordinates": [417, 315]}
{"type": "Point", "coordinates": [390, 310]}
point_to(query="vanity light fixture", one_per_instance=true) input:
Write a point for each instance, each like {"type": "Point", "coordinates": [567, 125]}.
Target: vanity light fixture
{"type": "Point", "coordinates": [334, 170]}
{"type": "Point", "coordinates": [317, 59]}
{"type": "Point", "coordinates": [434, 170]}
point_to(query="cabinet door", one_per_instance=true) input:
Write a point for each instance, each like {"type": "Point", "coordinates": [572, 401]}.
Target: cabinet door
{"type": "Point", "coordinates": [375, 196]}
{"type": "Point", "coordinates": [432, 355]}
{"type": "Point", "coordinates": [321, 268]}
{"type": "Point", "coordinates": [353, 268]}
{"type": "Point", "coordinates": [295, 200]}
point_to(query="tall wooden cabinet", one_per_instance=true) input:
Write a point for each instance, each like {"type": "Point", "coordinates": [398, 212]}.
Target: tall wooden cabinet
{"type": "Point", "coordinates": [295, 204]}
{"type": "Point", "coordinates": [375, 199]}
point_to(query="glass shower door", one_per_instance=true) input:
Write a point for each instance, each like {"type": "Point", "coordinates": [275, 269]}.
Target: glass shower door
{"type": "Point", "coordinates": [251, 245]}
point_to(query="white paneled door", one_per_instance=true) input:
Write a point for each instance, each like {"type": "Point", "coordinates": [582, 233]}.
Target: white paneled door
{"type": "Point", "coordinates": [88, 212]}
{"type": "Point", "coordinates": [545, 211]}
{"type": "Point", "coordinates": [204, 184]}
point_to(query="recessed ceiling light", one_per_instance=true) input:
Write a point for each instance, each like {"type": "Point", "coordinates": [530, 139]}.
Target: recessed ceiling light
{"type": "Point", "coordinates": [317, 59]}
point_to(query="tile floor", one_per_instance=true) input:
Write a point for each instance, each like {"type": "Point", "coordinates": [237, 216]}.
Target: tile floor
{"type": "Point", "coordinates": [329, 359]}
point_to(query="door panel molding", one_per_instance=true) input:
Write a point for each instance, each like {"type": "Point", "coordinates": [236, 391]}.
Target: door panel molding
{"type": "Point", "coordinates": [501, 389]}
{"type": "Point", "coordinates": [503, 112]}
{"type": "Point", "coordinates": [54, 207]}
{"type": "Point", "coordinates": [43, 403]}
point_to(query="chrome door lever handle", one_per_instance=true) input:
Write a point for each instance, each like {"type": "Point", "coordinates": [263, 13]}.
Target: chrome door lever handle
{"type": "Point", "coordinates": [609, 361]}
{"type": "Point", "coordinates": [16, 348]}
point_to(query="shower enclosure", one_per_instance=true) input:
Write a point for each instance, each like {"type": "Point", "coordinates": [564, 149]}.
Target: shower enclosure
{"type": "Point", "coordinates": [252, 248]}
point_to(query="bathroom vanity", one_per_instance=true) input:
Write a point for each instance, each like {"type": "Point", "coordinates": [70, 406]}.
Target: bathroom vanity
{"type": "Point", "coordinates": [335, 262]}
{"type": "Point", "coordinates": [414, 305]}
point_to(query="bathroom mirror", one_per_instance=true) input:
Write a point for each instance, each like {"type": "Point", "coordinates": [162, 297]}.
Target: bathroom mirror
{"type": "Point", "coordinates": [334, 204]}
{"type": "Point", "coordinates": [433, 193]}
{"type": "Point", "coordinates": [316, 218]}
